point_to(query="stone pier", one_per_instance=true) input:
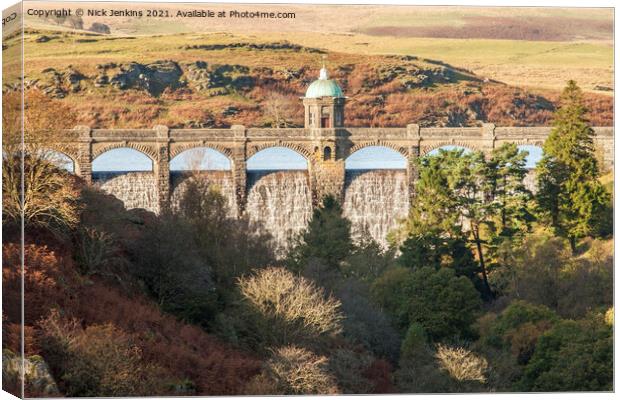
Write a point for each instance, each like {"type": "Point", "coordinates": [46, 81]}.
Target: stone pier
{"type": "Point", "coordinates": [325, 149]}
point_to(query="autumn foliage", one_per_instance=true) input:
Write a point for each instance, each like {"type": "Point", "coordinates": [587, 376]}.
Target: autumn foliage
{"type": "Point", "coordinates": [180, 352]}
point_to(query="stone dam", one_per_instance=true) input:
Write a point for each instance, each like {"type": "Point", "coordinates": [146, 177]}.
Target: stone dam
{"type": "Point", "coordinates": [374, 200]}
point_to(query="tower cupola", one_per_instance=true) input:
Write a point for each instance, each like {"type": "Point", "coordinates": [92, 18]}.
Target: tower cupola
{"type": "Point", "coordinates": [324, 103]}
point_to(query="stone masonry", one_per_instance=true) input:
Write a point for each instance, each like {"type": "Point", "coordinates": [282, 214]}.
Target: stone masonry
{"type": "Point", "coordinates": [326, 149]}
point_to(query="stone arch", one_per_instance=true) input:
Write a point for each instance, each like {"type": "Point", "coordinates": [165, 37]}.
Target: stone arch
{"type": "Point", "coordinates": [424, 150]}
{"type": "Point", "coordinates": [64, 151]}
{"type": "Point", "coordinates": [303, 151]}
{"type": "Point", "coordinates": [176, 150]}
{"type": "Point", "coordinates": [379, 143]}
{"type": "Point", "coordinates": [534, 155]}
{"type": "Point", "coordinates": [67, 150]}
{"type": "Point", "coordinates": [147, 150]}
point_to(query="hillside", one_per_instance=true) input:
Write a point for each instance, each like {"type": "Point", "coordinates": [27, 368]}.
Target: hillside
{"type": "Point", "coordinates": [534, 47]}
{"type": "Point", "coordinates": [220, 79]}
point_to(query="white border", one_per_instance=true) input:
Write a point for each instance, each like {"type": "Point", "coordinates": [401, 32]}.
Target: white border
{"type": "Point", "coordinates": [482, 3]}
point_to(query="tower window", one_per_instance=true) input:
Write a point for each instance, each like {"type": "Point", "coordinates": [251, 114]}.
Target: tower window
{"type": "Point", "coordinates": [327, 153]}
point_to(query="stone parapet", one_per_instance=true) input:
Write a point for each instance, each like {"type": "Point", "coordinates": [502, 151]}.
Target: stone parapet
{"type": "Point", "coordinates": [326, 149]}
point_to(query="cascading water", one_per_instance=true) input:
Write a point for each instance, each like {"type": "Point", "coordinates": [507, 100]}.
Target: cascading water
{"type": "Point", "coordinates": [134, 189]}
{"type": "Point", "coordinates": [530, 181]}
{"type": "Point", "coordinates": [220, 180]}
{"type": "Point", "coordinates": [374, 201]}
{"type": "Point", "coordinates": [281, 201]}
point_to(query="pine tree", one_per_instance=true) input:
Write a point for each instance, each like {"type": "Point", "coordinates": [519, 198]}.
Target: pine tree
{"type": "Point", "coordinates": [326, 239]}
{"type": "Point", "coordinates": [570, 195]}
{"type": "Point", "coordinates": [465, 197]}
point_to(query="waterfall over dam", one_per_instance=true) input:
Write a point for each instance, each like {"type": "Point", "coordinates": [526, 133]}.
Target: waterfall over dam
{"type": "Point", "coordinates": [374, 201]}
{"type": "Point", "coordinates": [220, 180]}
{"type": "Point", "coordinates": [281, 201]}
{"type": "Point", "coordinates": [136, 189]}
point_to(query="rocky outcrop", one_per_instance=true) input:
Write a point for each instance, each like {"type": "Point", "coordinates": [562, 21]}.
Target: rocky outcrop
{"type": "Point", "coordinates": [217, 79]}
{"type": "Point", "coordinates": [410, 76]}
{"type": "Point", "coordinates": [58, 83]}
{"type": "Point", "coordinates": [38, 381]}
{"type": "Point", "coordinates": [254, 46]}
{"type": "Point", "coordinates": [154, 78]}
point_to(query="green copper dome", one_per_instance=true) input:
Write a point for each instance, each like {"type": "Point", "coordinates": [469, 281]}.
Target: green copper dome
{"type": "Point", "coordinates": [323, 87]}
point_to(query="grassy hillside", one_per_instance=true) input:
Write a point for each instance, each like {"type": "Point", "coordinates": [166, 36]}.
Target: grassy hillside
{"type": "Point", "coordinates": [533, 64]}
{"type": "Point", "coordinates": [220, 79]}
{"type": "Point", "coordinates": [536, 47]}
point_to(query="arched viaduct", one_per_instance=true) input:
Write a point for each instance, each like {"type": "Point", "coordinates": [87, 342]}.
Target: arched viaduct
{"type": "Point", "coordinates": [325, 149]}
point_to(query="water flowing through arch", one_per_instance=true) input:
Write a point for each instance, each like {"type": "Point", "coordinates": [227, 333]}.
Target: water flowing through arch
{"type": "Point", "coordinates": [208, 165]}
{"type": "Point", "coordinates": [127, 174]}
{"type": "Point", "coordinates": [376, 192]}
{"type": "Point", "coordinates": [279, 194]}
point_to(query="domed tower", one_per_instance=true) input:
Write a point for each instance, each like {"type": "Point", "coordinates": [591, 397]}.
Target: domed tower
{"type": "Point", "coordinates": [324, 103]}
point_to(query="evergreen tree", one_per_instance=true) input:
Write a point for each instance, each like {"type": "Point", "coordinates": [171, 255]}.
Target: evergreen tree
{"type": "Point", "coordinates": [326, 239]}
{"type": "Point", "coordinates": [570, 195]}
{"type": "Point", "coordinates": [507, 173]}
{"type": "Point", "coordinates": [465, 197]}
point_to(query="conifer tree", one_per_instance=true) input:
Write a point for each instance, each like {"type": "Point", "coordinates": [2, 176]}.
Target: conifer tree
{"type": "Point", "coordinates": [465, 197]}
{"type": "Point", "coordinates": [327, 237]}
{"type": "Point", "coordinates": [570, 195]}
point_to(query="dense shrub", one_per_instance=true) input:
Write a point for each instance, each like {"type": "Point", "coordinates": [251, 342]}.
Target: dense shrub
{"type": "Point", "coordinates": [543, 271]}
{"type": "Point", "coordinates": [47, 280]}
{"type": "Point", "coordinates": [368, 261]}
{"type": "Point", "coordinates": [287, 308]}
{"type": "Point", "coordinates": [418, 372]}
{"type": "Point", "coordinates": [415, 341]}
{"type": "Point", "coordinates": [518, 321]}
{"type": "Point", "coordinates": [166, 259]}
{"type": "Point", "coordinates": [572, 356]}
{"type": "Point", "coordinates": [187, 351]}
{"type": "Point", "coordinates": [445, 305]}
{"type": "Point", "coordinates": [365, 323]}
{"type": "Point", "coordinates": [100, 360]}
{"type": "Point", "coordinates": [391, 292]}
{"type": "Point", "coordinates": [294, 370]}
{"type": "Point", "coordinates": [230, 247]}
{"type": "Point", "coordinates": [348, 368]}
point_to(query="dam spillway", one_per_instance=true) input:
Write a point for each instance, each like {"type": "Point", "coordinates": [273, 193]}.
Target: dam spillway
{"type": "Point", "coordinates": [136, 189]}
{"type": "Point", "coordinates": [374, 202]}
{"type": "Point", "coordinates": [280, 201]}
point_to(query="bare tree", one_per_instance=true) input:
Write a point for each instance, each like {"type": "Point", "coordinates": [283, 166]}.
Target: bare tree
{"type": "Point", "coordinates": [279, 110]}
{"type": "Point", "coordinates": [48, 197]}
